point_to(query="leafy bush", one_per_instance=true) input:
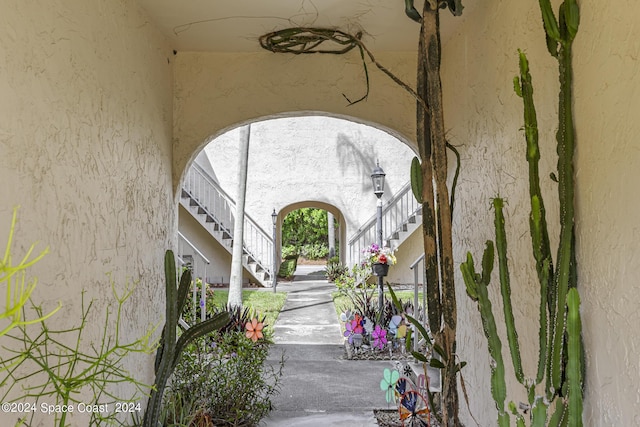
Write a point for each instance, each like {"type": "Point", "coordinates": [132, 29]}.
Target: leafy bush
{"type": "Point", "coordinates": [290, 251]}
{"type": "Point", "coordinates": [334, 269]}
{"type": "Point", "coordinates": [305, 226]}
{"type": "Point", "coordinates": [353, 284]}
{"type": "Point", "coordinates": [287, 268]}
{"type": "Point", "coordinates": [227, 381]}
{"type": "Point", "coordinates": [317, 250]}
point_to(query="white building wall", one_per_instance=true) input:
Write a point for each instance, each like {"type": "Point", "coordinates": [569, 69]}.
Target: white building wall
{"type": "Point", "coordinates": [85, 150]}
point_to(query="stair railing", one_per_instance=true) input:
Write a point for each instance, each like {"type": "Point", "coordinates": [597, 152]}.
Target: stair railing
{"type": "Point", "coordinates": [257, 244]}
{"type": "Point", "coordinates": [189, 256]}
{"type": "Point", "coordinates": [395, 215]}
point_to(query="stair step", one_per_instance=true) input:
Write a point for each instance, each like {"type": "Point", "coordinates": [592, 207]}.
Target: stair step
{"type": "Point", "coordinates": [201, 210]}
{"type": "Point", "coordinates": [193, 202]}
{"type": "Point", "coordinates": [184, 194]}
{"type": "Point", "coordinates": [412, 219]}
{"type": "Point", "coordinates": [226, 235]}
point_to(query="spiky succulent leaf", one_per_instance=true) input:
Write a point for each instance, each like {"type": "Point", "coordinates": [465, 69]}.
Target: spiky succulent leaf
{"type": "Point", "coordinates": [416, 179]}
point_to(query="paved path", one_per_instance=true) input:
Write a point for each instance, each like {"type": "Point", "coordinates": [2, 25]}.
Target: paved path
{"type": "Point", "coordinates": [319, 387]}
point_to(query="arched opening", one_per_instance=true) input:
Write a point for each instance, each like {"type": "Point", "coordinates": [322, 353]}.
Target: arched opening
{"type": "Point", "coordinates": [317, 161]}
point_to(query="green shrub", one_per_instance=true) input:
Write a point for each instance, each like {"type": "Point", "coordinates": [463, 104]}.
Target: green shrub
{"type": "Point", "coordinates": [227, 380]}
{"type": "Point", "coordinates": [317, 250]}
{"type": "Point", "coordinates": [287, 268]}
{"type": "Point", "coordinates": [289, 251]}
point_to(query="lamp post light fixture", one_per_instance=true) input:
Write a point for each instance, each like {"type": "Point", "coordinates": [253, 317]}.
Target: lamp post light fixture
{"type": "Point", "coordinates": [377, 177]}
{"type": "Point", "coordinates": [274, 219]}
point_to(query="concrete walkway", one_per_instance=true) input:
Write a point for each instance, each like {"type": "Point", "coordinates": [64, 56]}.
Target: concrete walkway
{"type": "Point", "coordinates": [319, 387]}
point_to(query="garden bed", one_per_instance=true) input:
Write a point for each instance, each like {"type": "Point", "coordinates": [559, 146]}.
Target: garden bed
{"type": "Point", "coordinates": [391, 418]}
{"type": "Point", "coordinates": [368, 354]}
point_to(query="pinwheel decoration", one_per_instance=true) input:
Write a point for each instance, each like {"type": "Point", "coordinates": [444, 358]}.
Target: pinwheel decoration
{"type": "Point", "coordinates": [402, 386]}
{"type": "Point", "coordinates": [379, 337]}
{"type": "Point", "coordinates": [394, 323]}
{"type": "Point", "coordinates": [413, 409]}
{"type": "Point", "coordinates": [388, 383]}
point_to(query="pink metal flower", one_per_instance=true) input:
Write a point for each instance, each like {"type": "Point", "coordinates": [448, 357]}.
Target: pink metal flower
{"type": "Point", "coordinates": [379, 336]}
{"type": "Point", "coordinates": [254, 330]}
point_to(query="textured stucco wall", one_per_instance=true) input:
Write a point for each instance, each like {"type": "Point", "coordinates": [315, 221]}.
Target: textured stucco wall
{"type": "Point", "coordinates": [85, 150]}
{"type": "Point", "coordinates": [217, 92]}
{"type": "Point", "coordinates": [485, 117]}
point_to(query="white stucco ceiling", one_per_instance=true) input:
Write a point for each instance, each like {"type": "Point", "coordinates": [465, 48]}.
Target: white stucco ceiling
{"type": "Point", "coordinates": [235, 25]}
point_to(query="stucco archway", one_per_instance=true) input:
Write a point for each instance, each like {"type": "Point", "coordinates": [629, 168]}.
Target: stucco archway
{"type": "Point", "coordinates": [339, 217]}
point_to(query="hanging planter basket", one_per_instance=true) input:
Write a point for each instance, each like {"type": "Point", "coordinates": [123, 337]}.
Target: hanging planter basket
{"type": "Point", "coordinates": [380, 269]}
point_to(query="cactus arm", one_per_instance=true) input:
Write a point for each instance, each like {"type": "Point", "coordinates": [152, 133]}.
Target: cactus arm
{"type": "Point", "coordinates": [183, 290]}
{"type": "Point", "coordinates": [564, 279]}
{"type": "Point", "coordinates": [574, 353]}
{"type": "Point", "coordinates": [539, 413]}
{"type": "Point", "coordinates": [197, 331]}
{"type": "Point", "coordinates": [559, 416]}
{"type": "Point", "coordinates": [537, 219]}
{"type": "Point", "coordinates": [478, 283]}
{"type": "Point", "coordinates": [549, 20]}
{"type": "Point", "coordinates": [505, 289]}
{"type": "Point", "coordinates": [519, 417]}
{"type": "Point", "coordinates": [167, 347]}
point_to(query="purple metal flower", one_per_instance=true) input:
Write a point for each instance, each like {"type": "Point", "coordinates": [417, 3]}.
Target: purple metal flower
{"type": "Point", "coordinates": [379, 336]}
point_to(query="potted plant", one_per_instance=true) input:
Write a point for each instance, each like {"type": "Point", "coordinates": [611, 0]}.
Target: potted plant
{"type": "Point", "coordinates": [380, 259]}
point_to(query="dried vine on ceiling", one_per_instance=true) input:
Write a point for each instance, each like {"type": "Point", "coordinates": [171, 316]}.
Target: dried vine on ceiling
{"type": "Point", "coordinates": [303, 40]}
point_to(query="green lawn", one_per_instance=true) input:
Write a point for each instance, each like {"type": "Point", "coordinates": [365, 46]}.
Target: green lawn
{"type": "Point", "coordinates": [265, 303]}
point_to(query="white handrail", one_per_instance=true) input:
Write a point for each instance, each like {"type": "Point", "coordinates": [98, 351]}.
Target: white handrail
{"type": "Point", "coordinates": [220, 207]}
{"type": "Point", "coordinates": [417, 267]}
{"type": "Point", "coordinates": [394, 216]}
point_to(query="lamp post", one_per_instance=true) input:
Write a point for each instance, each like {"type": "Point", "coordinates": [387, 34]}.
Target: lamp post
{"type": "Point", "coordinates": [274, 219]}
{"type": "Point", "coordinates": [377, 177]}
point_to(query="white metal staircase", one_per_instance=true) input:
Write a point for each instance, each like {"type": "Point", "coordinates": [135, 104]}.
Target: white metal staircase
{"type": "Point", "coordinates": [401, 216]}
{"type": "Point", "coordinates": [214, 209]}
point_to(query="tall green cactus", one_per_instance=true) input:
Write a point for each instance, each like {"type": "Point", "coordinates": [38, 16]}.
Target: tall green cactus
{"type": "Point", "coordinates": [477, 289]}
{"type": "Point", "coordinates": [170, 350]}
{"type": "Point", "coordinates": [560, 356]}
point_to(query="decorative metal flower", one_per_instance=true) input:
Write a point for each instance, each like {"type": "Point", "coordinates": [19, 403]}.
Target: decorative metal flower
{"type": "Point", "coordinates": [350, 330]}
{"type": "Point", "coordinates": [406, 370]}
{"type": "Point", "coordinates": [367, 324]}
{"type": "Point", "coordinates": [401, 332]}
{"type": "Point", "coordinates": [358, 329]}
{"type": "Point", "coordinates": [379, 336]}
{"type": "Point", "coordinates": [346, 316]}
{"type": "Point", "coordinates": [413, 410]}
{"type": "Point", "coordinates": [388, 383]}
{"type": "Point", "coordinates": [254, 330]}
{"type": "Point", "coordinates": [394, 323]}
